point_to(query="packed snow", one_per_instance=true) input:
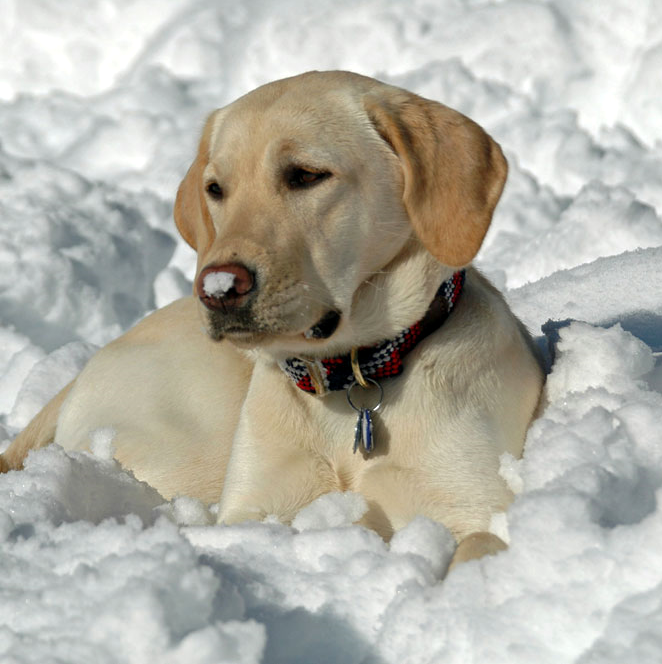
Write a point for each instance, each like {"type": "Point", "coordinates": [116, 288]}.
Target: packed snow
{"type": "Point", "coordinates": [101, 104]}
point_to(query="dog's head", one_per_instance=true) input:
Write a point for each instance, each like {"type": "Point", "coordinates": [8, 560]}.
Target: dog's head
{"type": "Point", "coordinates": [327, 208]}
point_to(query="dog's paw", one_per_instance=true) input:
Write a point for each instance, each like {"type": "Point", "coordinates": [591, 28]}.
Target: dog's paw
{"type": "Point", "coordinates": [7, 464]}
{"type": "Point", "coordinates": [239, 515]}
{"type": "Point", "coordinates": [475, 546]}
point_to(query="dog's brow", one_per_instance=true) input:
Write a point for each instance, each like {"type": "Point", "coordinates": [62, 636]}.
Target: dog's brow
{"type": "Point", "coordinates": [213, 172]}
{"type": "Point", "coordinates": [305, 154]}
{"type": "Point", "coordinates": [301, 151]}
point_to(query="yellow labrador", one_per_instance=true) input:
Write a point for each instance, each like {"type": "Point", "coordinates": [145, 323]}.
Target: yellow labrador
{"type": "Point", "coordinates": [347, 345]}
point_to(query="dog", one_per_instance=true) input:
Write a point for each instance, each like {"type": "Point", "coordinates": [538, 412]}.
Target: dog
{"type": "Point", "coordinates": [337, 338]}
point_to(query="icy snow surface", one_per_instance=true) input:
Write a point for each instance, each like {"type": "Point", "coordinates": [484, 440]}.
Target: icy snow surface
{"type": "Point", "coordinates": [101, 102]}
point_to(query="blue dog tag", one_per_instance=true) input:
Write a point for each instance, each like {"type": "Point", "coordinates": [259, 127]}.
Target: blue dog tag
{"type": "Point", "coordinates": [363, 436]}
{"type": "Point", "coordinates": [366, 426]}
{"type": "Point", "coordinates": [363, 431]}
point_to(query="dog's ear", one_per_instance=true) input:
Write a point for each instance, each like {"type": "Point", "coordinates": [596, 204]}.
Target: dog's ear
{"type": "Point", "coordinates": [191, 214]}
{"type": "Point", "coordinates": [453, 171]}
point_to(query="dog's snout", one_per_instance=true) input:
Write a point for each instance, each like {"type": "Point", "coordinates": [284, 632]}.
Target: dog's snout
{"type": "Point", "coordinates": [221, 287]}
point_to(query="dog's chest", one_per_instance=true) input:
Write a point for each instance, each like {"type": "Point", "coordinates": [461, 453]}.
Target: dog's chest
{"type": "Point", "coordinates": [333, 431]}
{"type": "Point", "coordinates": [280, 419]}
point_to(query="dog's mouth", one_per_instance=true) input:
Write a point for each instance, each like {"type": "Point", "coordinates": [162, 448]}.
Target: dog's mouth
{"type": "Point", "coordinates": [244, 330]}
{"type": "Point", "coordinates": [324, 327]}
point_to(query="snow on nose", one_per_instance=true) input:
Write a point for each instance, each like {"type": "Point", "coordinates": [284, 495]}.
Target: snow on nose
{"type": "Point", "coordinates": [216, 284]}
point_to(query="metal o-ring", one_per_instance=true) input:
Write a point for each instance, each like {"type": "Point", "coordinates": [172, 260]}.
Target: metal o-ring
{"type": "Point", "coordinates": [369, 380]}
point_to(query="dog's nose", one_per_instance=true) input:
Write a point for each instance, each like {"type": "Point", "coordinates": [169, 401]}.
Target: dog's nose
{"type": "Point", "coordinates": [223, 286]}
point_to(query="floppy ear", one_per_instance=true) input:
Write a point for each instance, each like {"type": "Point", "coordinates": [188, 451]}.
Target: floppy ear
{"type": "Point", "coordinates": [453, 171]}
{"type": "Point", "coordinates": [191, 214]}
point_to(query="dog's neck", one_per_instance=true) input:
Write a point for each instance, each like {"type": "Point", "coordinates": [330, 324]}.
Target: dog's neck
{"type": "Point", "coordinates": [320, 376]}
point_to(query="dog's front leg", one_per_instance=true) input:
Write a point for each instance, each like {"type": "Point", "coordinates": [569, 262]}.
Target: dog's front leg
{"type": "Point", "coordinates": [273, 469]}
{"type": "Point", "coordinates": [273, 484]}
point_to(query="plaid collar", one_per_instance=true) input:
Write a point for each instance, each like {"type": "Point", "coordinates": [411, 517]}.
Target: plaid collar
{"type": "Point", "coordinates": [381, 361]}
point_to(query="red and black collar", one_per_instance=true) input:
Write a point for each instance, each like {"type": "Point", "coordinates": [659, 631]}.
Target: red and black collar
{"type": "Point", "coordinates": [320, 376]}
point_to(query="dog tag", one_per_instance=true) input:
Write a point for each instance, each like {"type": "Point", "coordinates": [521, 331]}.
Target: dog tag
{"type": "Point", "coordinates": [358, 431]}
{"type": "Point", "coordinates": [366, 426]}
{"type": "Point", "coordinates": [363, 431]}
{"type": "Point", "coordinates": [363, 435]}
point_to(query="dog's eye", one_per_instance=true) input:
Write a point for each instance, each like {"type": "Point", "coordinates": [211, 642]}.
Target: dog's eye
{"type": "Point", "coordinates": [299, 178]}
{"type": "Point", "coordinates": [214, 190]}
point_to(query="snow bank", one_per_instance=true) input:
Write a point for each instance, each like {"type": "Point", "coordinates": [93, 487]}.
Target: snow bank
{"type": "Point", "coordinates": [100, 106]}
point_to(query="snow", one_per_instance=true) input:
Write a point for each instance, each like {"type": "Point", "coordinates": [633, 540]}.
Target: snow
{"type": "Point", "coordinates": [218, 283]}
{"type": "Point", "coordinates": [331, 511]}
{"type": "Point", "coordinates": [101, 103]}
